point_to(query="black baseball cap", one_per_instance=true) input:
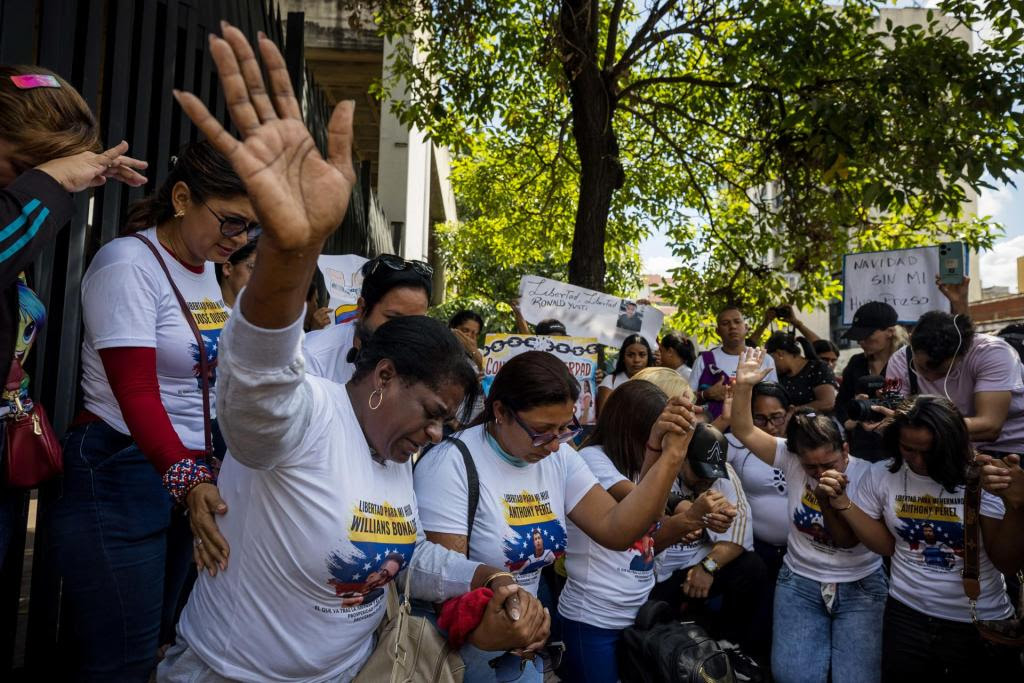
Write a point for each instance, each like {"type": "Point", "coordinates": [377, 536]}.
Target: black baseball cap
{"type": "Point", "coordinates": [874, 315]}
{"type": "Point", "coordinates": [707, 452]}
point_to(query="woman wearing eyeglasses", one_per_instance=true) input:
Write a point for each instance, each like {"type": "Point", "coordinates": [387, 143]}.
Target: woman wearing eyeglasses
{"type": "Point", "coordinates": [140, 445]}
{"type": "Point", "coordinates": [530, 481]}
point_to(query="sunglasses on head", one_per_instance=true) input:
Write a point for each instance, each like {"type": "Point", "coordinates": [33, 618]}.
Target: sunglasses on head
{"type": "Point", "coordinates": [544, 439]}
{"type": "Point", "coordinates": [398, 263]}
{"type": "Point", "coordinates": [232, 226]}
{"type": "Point", "coordinates": [509, 667]}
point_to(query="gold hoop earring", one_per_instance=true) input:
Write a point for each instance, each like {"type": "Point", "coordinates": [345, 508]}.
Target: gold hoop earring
{"type": "Point", "coordinates": [180, 213]}
{"type": "Point", "coordinates": [379, 393]}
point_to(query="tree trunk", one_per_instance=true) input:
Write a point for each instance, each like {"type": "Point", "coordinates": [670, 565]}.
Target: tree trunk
{"type": "Point", "coordinates": [591, 97]}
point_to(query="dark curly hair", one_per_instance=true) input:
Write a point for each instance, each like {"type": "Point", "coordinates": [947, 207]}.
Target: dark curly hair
{"type": "Point", "coordinates": [940, 336]}
{"type": "Point", "coordinates": [951, 445]}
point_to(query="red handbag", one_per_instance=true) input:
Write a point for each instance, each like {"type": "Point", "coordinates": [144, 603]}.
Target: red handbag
{"type": "Point", "coordinates": [33, 455]}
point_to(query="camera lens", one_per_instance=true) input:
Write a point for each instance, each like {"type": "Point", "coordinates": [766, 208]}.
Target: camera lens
{"type": "Point", "coordinates": [859, 410]}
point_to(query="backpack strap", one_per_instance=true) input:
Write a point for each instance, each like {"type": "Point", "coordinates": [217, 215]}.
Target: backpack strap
{"type": "Point", "coordinates": [972, 509]}
{"type": "Point", "coordinates": [915, 388]}
{"type": "Point", "coordinates": [473, 484]}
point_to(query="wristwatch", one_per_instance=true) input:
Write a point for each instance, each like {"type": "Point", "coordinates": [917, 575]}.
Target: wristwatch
{"type": "Point", "coordinates": [709, 565]}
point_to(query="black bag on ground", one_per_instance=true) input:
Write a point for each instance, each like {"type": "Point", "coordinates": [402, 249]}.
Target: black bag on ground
{"type": "Point", "coordinates": [660, 649]}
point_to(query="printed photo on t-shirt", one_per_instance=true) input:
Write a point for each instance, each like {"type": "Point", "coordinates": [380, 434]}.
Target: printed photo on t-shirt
{"type": "Point", "coordinates": [210, 317]}
{"type": "Point", "coordinates": [932, 529]}
{"type": "Point", "coordinates": [809, 521]}
{"type": "Point", "coordinates": [381, 539]}
{"type": "Point", "coordinates": [535, 536]}
{"type": "Point", "coordinates": [643, 561]}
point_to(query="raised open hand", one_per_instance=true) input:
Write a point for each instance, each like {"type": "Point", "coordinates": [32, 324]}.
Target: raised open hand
{"type": "Point", "coordinates": [749, 370]}
{"type": "Point", "coordinates": [300, 197]}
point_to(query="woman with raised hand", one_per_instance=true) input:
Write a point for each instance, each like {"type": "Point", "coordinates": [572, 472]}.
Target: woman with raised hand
{"type": "Point", "coordinates": [635, 354]}
{"type": "Point", "coordinates": [831, 590]}
{"type": "Point", "coordinates": [529, 482]}
{"type": "Point", "coordinates": [318, 483]}
{"type": "Point", "coordinates": [912, 508]}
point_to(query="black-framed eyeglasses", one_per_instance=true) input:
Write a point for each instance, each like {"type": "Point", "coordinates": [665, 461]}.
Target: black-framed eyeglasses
{"type": "Point", "coordinates": [763, 420]}
{"type": "Point", "coordinates": [509, 667]}
{"type": "Point", "coordinates": [544, 439]}
{"type": "Point", "coordinates": [233, 226]}
{"type": "Point", "coordinates": [398, 263]}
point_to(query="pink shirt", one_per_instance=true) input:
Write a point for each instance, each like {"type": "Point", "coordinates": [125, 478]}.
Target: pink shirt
{"type": "Point", "coordinates": [990, 365]}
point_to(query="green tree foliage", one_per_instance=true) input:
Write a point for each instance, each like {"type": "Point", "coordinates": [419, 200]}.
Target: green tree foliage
{"type": "Point", "coordinates": [769, 138]}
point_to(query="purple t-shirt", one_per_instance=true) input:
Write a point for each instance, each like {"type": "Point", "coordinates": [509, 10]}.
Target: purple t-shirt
{"type": "Point", "coordinates": [990, 365]}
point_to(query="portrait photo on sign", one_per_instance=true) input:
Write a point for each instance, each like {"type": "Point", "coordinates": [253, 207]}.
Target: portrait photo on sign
{"type": "Point", "coordinates": [630, 316]}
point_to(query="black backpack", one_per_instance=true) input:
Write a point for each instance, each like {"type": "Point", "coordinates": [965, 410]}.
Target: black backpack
{"type": "Point", "coordinates": [660, 649]}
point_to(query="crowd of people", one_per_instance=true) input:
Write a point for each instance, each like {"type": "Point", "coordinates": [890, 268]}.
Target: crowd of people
{"type": "Point", "coordinates": [239, 490]}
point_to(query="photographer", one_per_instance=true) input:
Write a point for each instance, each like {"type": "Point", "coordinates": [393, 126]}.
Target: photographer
{"type": "Point", "coordinates": [877, 333]}
{"type": "Point", "coordinates": [979, 373]}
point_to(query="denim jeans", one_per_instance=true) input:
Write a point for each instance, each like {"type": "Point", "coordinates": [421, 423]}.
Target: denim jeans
{"type": "Point", "coordinates": [808, 639]}
{"type": "Point", "coordinates": [123, 553]}
{"type": "Point", "coordinates": [590, 653]}
{"type": "Point", "coordinates": [478, 668]}
{"type": "Point", "coordinates": [919, 647]}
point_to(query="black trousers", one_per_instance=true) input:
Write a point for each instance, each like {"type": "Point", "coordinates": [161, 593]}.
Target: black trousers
{"type": "Point", "coordinates": [914, 643]}
{"type": "Point", "coordinates": [743, 588]}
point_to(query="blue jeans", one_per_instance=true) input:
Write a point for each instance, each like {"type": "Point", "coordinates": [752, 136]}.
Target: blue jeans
{"type": "Point", "coordinates": [590, 653]}
{"type": "Point", "coordinates": [123, 553]}
{"type": "Point", "coordinates": [478, 668]}
{"type": "Point", "coordinates": [808, 639]}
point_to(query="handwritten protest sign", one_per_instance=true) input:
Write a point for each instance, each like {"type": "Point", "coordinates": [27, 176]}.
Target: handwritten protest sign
{"type": "Point", "coordinates": [344, 282]}
{"type": "Point", "coordinates": [902, 278]}
{"type": "Point", "coordinates": [586, 313]}
{"type": "Point", "coordinates": [578, 354]}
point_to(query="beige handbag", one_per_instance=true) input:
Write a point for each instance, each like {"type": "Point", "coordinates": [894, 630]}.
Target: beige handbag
{"type": "Point", "coordinates": [410, 649]}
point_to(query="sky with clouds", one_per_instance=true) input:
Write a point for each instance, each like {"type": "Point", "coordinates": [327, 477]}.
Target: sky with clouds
{"type": "Point", "coordinates": [1005, 205]}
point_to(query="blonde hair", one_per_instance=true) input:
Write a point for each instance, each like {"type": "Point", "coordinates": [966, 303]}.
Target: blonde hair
{"type": "Point", "coordinates": [900, 338]}
{"type": "Point", "coordinates": [666, 379]}
{"type": "Point", "coordinates": [44, 123]}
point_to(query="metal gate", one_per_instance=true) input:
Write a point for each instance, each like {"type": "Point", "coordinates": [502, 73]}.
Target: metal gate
{"type": "Point", "coordinates": [124, 57]}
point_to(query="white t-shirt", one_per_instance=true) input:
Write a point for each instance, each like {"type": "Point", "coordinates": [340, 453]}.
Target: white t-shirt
{"type": "Point", "coordinates": [127, 301]}
{"type": "Point", "coordinates": [311, 540]}
{"type": "Point", "coordinates": [766, 491]}
{"type": "Point", "coordinates": [326, 352]}
{"type": "Point", "coordinates": [811, 553]}
{"type": "Point", "coordinates": [682, 555]}
{"type": "Point", "coordinates": [606, 588]}
{"type": "Point", "coordinates": [520, 519]}
{"type": "Point", "coordinates": [684, 371]}
{"type": "Point", "coordinates": [614, 380]}
{"type": "Point", "coordinates": [727, 363]}
{"type": "Point", "coordinates": [927, 523]}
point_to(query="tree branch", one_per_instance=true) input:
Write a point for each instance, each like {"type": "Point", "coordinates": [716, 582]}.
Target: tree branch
{"type": "Point", "coordinates": [613, 34]}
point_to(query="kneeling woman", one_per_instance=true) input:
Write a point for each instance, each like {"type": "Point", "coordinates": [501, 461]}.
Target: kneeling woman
{"type": "Point", "coordinates": [912, 509]}
{"type": "Point", "coordinates": [529, 481]}
{"type": "Point", "coordinates": [321, 510]}
{"type": "Point", "coordinates": [831, 590]}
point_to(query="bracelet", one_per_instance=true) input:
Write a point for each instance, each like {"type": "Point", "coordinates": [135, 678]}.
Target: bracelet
{"type": "Point", "coordinates": [185, 475]}
{"type": "Point", "coordinates": [848, 506]}
{"type": "Point", "coordinates": [495, 575]}
{"type": "Point", "coordinates": [652, 448]}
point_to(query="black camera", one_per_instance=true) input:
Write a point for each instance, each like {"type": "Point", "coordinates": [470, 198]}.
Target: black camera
{"type": "Point", "coordinates": [783, 312]}
{"type": "Point", "coordinates": [882, 393]}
